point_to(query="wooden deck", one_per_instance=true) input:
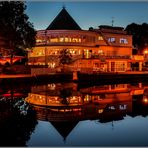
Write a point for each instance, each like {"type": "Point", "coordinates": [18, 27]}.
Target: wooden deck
{"type": "Point", "coordinates": [4, 76]}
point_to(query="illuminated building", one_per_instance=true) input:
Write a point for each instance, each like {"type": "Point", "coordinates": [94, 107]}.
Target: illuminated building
{"type": "Point", "coordinates": [106, 48]}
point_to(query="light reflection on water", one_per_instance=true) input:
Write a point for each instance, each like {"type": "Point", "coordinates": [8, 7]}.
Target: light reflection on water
{"type": "Point", "coordinates": [69, 115]}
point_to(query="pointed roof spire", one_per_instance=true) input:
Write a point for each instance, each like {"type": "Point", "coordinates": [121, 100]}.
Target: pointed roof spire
{"type": "Point", "coordinates": [64, 7]}
{"type": "Point", "coordinates": [64, 127]}
{"type": "Point", "coordinates": [63, 21]}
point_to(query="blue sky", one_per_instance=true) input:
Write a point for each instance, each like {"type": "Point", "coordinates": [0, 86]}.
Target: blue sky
{"type": "Point", "coordinates": [88, 14]}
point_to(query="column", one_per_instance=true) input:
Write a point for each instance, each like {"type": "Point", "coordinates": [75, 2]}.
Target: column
{"type": "Point", "coordinates": [75, 75]}
{"type": "Point", "coordinates": [109, 66]}
{"type": "Point", "coordinates": [140, 66]}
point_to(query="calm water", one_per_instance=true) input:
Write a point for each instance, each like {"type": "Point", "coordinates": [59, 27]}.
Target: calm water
{"type": "Point", "coordinates": [69, 115]}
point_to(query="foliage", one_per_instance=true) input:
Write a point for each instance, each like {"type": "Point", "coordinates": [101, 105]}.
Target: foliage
{"type": "Point", "coordinates": [64, 94]}
{"type": "Point", "coordinates": [15, 26]}
{"type": "Point", "coordinates": [65, 57]}
{"type": "Point", "coordinates": [140, 35]}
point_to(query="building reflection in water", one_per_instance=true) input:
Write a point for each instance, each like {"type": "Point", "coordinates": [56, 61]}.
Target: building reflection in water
{"type": "Point", "coordinates": [64, 106]}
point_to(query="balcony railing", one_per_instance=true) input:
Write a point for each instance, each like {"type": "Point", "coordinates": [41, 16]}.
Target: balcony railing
{"type": "Point", "coordinates": [110, 57]}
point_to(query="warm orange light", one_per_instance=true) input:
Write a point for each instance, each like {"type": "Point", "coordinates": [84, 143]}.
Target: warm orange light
{"type": "Point", "coordinates": [145, 100]}
{"type": "Point", "coordinates": [100, 111]}
{"type": "Point", "coordinates": [145, 51]}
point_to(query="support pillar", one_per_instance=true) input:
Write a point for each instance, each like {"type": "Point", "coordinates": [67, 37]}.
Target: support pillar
{"type": "Point", "coordinates": [75, 75]}
{"type": "Point", "coordinates": [109, 66]}
{"type": "Point", "coordinates": [140, 85]}
{"type": "Point", "coordinates": [140, 66]}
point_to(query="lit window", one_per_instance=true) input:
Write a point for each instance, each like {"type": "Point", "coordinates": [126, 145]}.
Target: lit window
{"type": "Point", "coordinates": [146, 52]}
{"type": "Point", "coordinates": [61, 39]}
{"type": "Point", "coordinates": [74, 40]}
{"type": "Point", "coordinates": [54, 40]}
{"type": "Point", "coordinates": [100, 51]}
{"type": "Point", "coordinates": [52, 86]}
{"type": "Point", "coordinates": [112, 40]}
{"type": "Point", "coordinates": [66, 39]}
{"type": "Point", "coordinates": [123, 41]}
{"type": "Point", "coordinates": [38, 41]}
{"type": "Point", "coordinates": [72, 51]}
{"type": "Point", "coordinates": [100, 38]}
{"type": "Point", "coordinates": [51, 65]}
{"type": "Point", "coordinates": [69, 39]}
{"type": "Point", "coordinates": [122, 107]}
{"type": "Point", "coordinates": [100, 111]}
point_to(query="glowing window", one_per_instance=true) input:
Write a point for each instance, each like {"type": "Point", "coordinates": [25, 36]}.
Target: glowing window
{"type": "Point", "coordinates": [54, 40]}
{"type": "Point", "coordinates": [61, 39]}
{"type": "Point", "coordinates": [123, 41]}
{"type": "Point", "coordinates": [100, 51]}
{"type": "Point", "coordinates": [66, 39]}
{"type": "Point", "coordinates": [112, 40]}
{"type": "Point", "coordinates": [100, 38]}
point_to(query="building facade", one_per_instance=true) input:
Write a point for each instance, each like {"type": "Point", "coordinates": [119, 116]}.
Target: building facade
{"type": "Point", "coordinates": [106, 48]}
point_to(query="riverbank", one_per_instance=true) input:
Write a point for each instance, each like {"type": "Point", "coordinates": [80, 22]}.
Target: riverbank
{"type": "Point", "coordinates": [27, 78]}
{"type": "Point", "coordinates": [113, 76]}
{"type": "Point", "coordinates": [85, 78]}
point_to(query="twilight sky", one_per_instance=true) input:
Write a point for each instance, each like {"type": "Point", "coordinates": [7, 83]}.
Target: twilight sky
{"type": "Point", "coordinates": [88, 14]}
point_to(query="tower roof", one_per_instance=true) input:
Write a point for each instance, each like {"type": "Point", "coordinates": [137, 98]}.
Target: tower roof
{"type": "Point", "coordinates": [63, 21]}
{"type": "Point", "coordinates": [65, 127]}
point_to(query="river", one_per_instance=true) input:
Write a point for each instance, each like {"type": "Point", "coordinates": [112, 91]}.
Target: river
{"type": "Point", "coordinates": [67, 114]}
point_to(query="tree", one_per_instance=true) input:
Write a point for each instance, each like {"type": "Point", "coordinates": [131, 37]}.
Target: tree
{"type": "Point", "coordinates": [140, 35]}
{"type": "Point", "coordinates": [65, 57]}
{"type": "Point", "coordinates": [64, 95]}
{"type": "Point", "coordinates": [15, 26]}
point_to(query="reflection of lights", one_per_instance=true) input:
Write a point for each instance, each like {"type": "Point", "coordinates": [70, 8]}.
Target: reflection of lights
{"type": "Point", "coordinates": [52, 86]}
{"type": "Point", "coordinates": [100, 111]}
{"type": "Point", "coordinates": [100, 51]}
{"type": "Point", "coordinates": [123, 107]}
{"type": "Point", "coordinates": [145, 100]}
{"type": "Point", "coordinates": [87, 98]}
{"type": "Point", "coordinates": [77, 109]}
{"type": "Point", "coordinates": [146, 52]}
{"type": "Point", "coordinates": [111, 107]}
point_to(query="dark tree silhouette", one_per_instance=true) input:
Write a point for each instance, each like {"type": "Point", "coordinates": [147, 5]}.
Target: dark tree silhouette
{"type": "Point", "coordinates": [15, 27]}
{"type": "Point", "coordinates": [140, 35]}
{"type": "Point", "coordinates": [16, 128]}
{"type": "Point", "coordinates": [65, 57]}
{"type": "Point", "coordinates": [64, 94]}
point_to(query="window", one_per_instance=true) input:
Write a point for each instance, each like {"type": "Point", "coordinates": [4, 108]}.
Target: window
{"type": "Point", "coordinates": [100, 38]}
{"type": "Point", "coordinates": [54, 40]}
{"type": "Point", "coordinates": [75, 39]}
{"type": "Point", "coordinates": [61, 39]}
{"type": "Point", "coordinates": [100, 51]}
{"type": "Point", "coordinates": [123, 41]}
{"type": "Point", "coordinates": [51, 64]}
{"type": "Point", "coordinates": [120, 66]}
{"type": "Point", "coordinates": [38, 41]}
{"type": "Point", "coordinates": [66, 39]}
{"type": "Point", "coordinates": [112, 40]}
{"type": "Point", "coordinates": [72, 51]}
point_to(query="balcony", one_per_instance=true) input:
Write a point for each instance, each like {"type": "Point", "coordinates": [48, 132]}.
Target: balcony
{"type": "Point", "coordinates": [110, 57]}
